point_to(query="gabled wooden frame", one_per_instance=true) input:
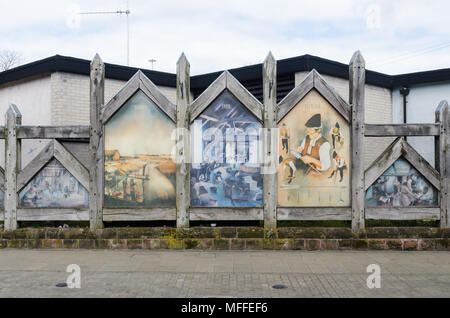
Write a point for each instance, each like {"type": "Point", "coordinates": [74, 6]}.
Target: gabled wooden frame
{"type": "Point", "coordinates": [56, 150]}
{"type": "Point", "coordinates": [401, 148]}
{"type": "Point", "coordinates": [138, 82]}
{"type": "Point", "coordinates": [314, 81]}
{"type": "Point", "coordinates": [226, 81]}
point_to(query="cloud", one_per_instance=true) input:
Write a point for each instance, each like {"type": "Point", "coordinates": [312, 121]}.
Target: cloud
{"type": "Point", "coordinates": [217, 35]}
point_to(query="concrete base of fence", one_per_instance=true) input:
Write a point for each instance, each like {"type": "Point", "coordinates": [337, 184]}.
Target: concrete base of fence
{"type": "Point", "coordinates": [231, 238]}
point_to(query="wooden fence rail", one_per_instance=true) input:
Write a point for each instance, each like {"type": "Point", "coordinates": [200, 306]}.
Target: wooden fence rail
{"type": "Point", "coordinates": [90, 173]}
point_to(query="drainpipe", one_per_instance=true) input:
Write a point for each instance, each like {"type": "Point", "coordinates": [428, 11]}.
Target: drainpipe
{"type": "Point", "coordinates": [404, 91]}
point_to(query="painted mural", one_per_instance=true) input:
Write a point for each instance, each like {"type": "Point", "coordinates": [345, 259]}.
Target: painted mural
{"type": "Point", "coordinates": [314, 155]}
{"type": "Point", "coordinates": [139, 167]}
{"type": "Point", "coordinates": [54, 186]}
{"type": "Point", "coordinates": [225, 170]}
{"type": "Point", "coordinates": [401, 186]}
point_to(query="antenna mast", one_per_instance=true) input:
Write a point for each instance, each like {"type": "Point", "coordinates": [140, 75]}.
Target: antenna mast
{"type": "Point", "coordinates": [127, 13]}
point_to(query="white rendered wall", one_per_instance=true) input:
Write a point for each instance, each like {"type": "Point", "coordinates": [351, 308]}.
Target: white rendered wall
{"type": "Point", "coordinates": [422, 103]}
{"type": "Point", "coordinates": [33, 98]}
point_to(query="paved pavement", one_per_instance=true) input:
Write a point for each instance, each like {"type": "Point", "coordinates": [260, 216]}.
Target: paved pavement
{"type": "Point", "coordinates": [138, 273]}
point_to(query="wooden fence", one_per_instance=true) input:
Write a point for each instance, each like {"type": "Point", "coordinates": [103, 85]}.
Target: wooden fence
{"type": "Point", "coordinates": [66, 142]}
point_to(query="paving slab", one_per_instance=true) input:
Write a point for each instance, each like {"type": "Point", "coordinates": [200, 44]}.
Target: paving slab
{"type": "Point", "coordinates": [169, 273]}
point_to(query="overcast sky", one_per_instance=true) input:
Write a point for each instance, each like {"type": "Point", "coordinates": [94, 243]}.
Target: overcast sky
{"type": "Point", "coordinates": [394, 36]}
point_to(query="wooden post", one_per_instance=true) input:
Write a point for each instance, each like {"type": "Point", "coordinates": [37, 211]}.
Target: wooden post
{"type": "Point", "coordinates": [270, 138]}
{"type": "Point", "coordinates": [12, 166]}
{"type": "Point", "coordinates": [442, 155]}
{"type": "Point", "coordinates": [357, 79]}
{"type": "Point", "coordinates": [183, 143]}
{"type": "Point", "coordinates": [96, 145]}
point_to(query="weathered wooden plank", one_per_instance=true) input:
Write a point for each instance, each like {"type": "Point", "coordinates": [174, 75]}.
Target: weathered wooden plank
{"type": "Point", "coordinates": [296, 95]}
{"type": "Point", "coordinates": [270, 163]}
{"type": "Point", "coordinates": [96, 144]}
{"type": "Point", "coordinates": [394, 130]}
{"type": "Point", "coordinates": [35, 165]}
{"type": "Point", "coordinates": [422, 165]}
{"type": "Point", "coordinates": [52, 214]}
{"type": "Point", "coordinates": [158, 97]}
{"type": "Point", "coordinates": [12, 166]}
{"type": "Point", "coordinates": [443, 160]}
{"type": "Point", "coordinates": [80, 150]}
{"type": "Point", "coordinates": [244, 96]}
{"type": "Point", "coordinates": [51, 132]}
{"type": "Point", "coordinates": [226, 214]}
{"type": "Point", "coordinates": [383, 162]}
{"type": "Point", "coordinates": [314, 214]}
{"type": "Point", "coordinates": [329, 93]}
{"type": "Point", "coordinates": [71, 163]}
{"type": "Point", "coordinates": [403, 214]}
{"type": "Point", "coordinates": [183, 196]}
{"type": "Point", "coordinates": [151, 214]}
{"type": "Point", "coordinates": [130, 88]}
{"type": "Point", "coordinates": [208, 96]}
{"type": "Point", "coordinates": [357, 79]}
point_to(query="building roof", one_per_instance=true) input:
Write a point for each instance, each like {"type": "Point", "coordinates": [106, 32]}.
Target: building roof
{"type": "Point", "coordinates": [58, 63]}
{"type": "Point", "coordinates": [249, 76]}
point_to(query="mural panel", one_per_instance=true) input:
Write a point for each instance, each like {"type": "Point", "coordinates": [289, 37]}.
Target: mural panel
{"type": "Point", "coordinates": [139, 170]}
{"type": "Point", "coordinates": [54, 186]}
{"type": "Point", "coordinates": [314, 155]}
{"type": "Point", "coordinates": [225, 170]}
{"type": "Point", "coordinates": [401, 186]}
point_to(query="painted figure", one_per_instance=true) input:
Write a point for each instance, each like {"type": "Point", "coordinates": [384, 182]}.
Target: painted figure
{"type": "Point", "coordinates": [339, 166]}
{"type": "Point", "coordinates": [284, 132]}
{"type": "Point", "coordinates": [313, 154]}
{"type": "Point", "coordinates": [30, 198]}
{"type": "Point", "coordinates": [336, 135]}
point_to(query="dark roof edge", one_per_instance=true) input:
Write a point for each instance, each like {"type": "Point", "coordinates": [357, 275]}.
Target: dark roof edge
{"type": "Point", "coordinates": [59, 63]}
{"type": "Point", "coordinates": [252, 73]}
{"type": "Point", "coordinates": [303, 63]}
{"type": "Point", "coordinates": [417, 78]}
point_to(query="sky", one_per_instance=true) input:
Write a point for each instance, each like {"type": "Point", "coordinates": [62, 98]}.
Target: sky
{"type": "Point", "coordinates": [394, 37]}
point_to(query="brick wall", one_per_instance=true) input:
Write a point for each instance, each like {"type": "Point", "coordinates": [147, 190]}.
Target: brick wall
{"type": "Point", "coordinates": [378, 111]}
{"type": "Point", "coordinates": [70, 97]}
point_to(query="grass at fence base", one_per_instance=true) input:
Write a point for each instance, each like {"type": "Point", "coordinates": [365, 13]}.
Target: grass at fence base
{"type": "Point", "coordinates": [280, 224]}
{"type": "Point", "coordinates": [390, 223]}
{"type": "Point", "coordinates": [314, 224]}
{"type": "Point", "coordinates": [52, 224]}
